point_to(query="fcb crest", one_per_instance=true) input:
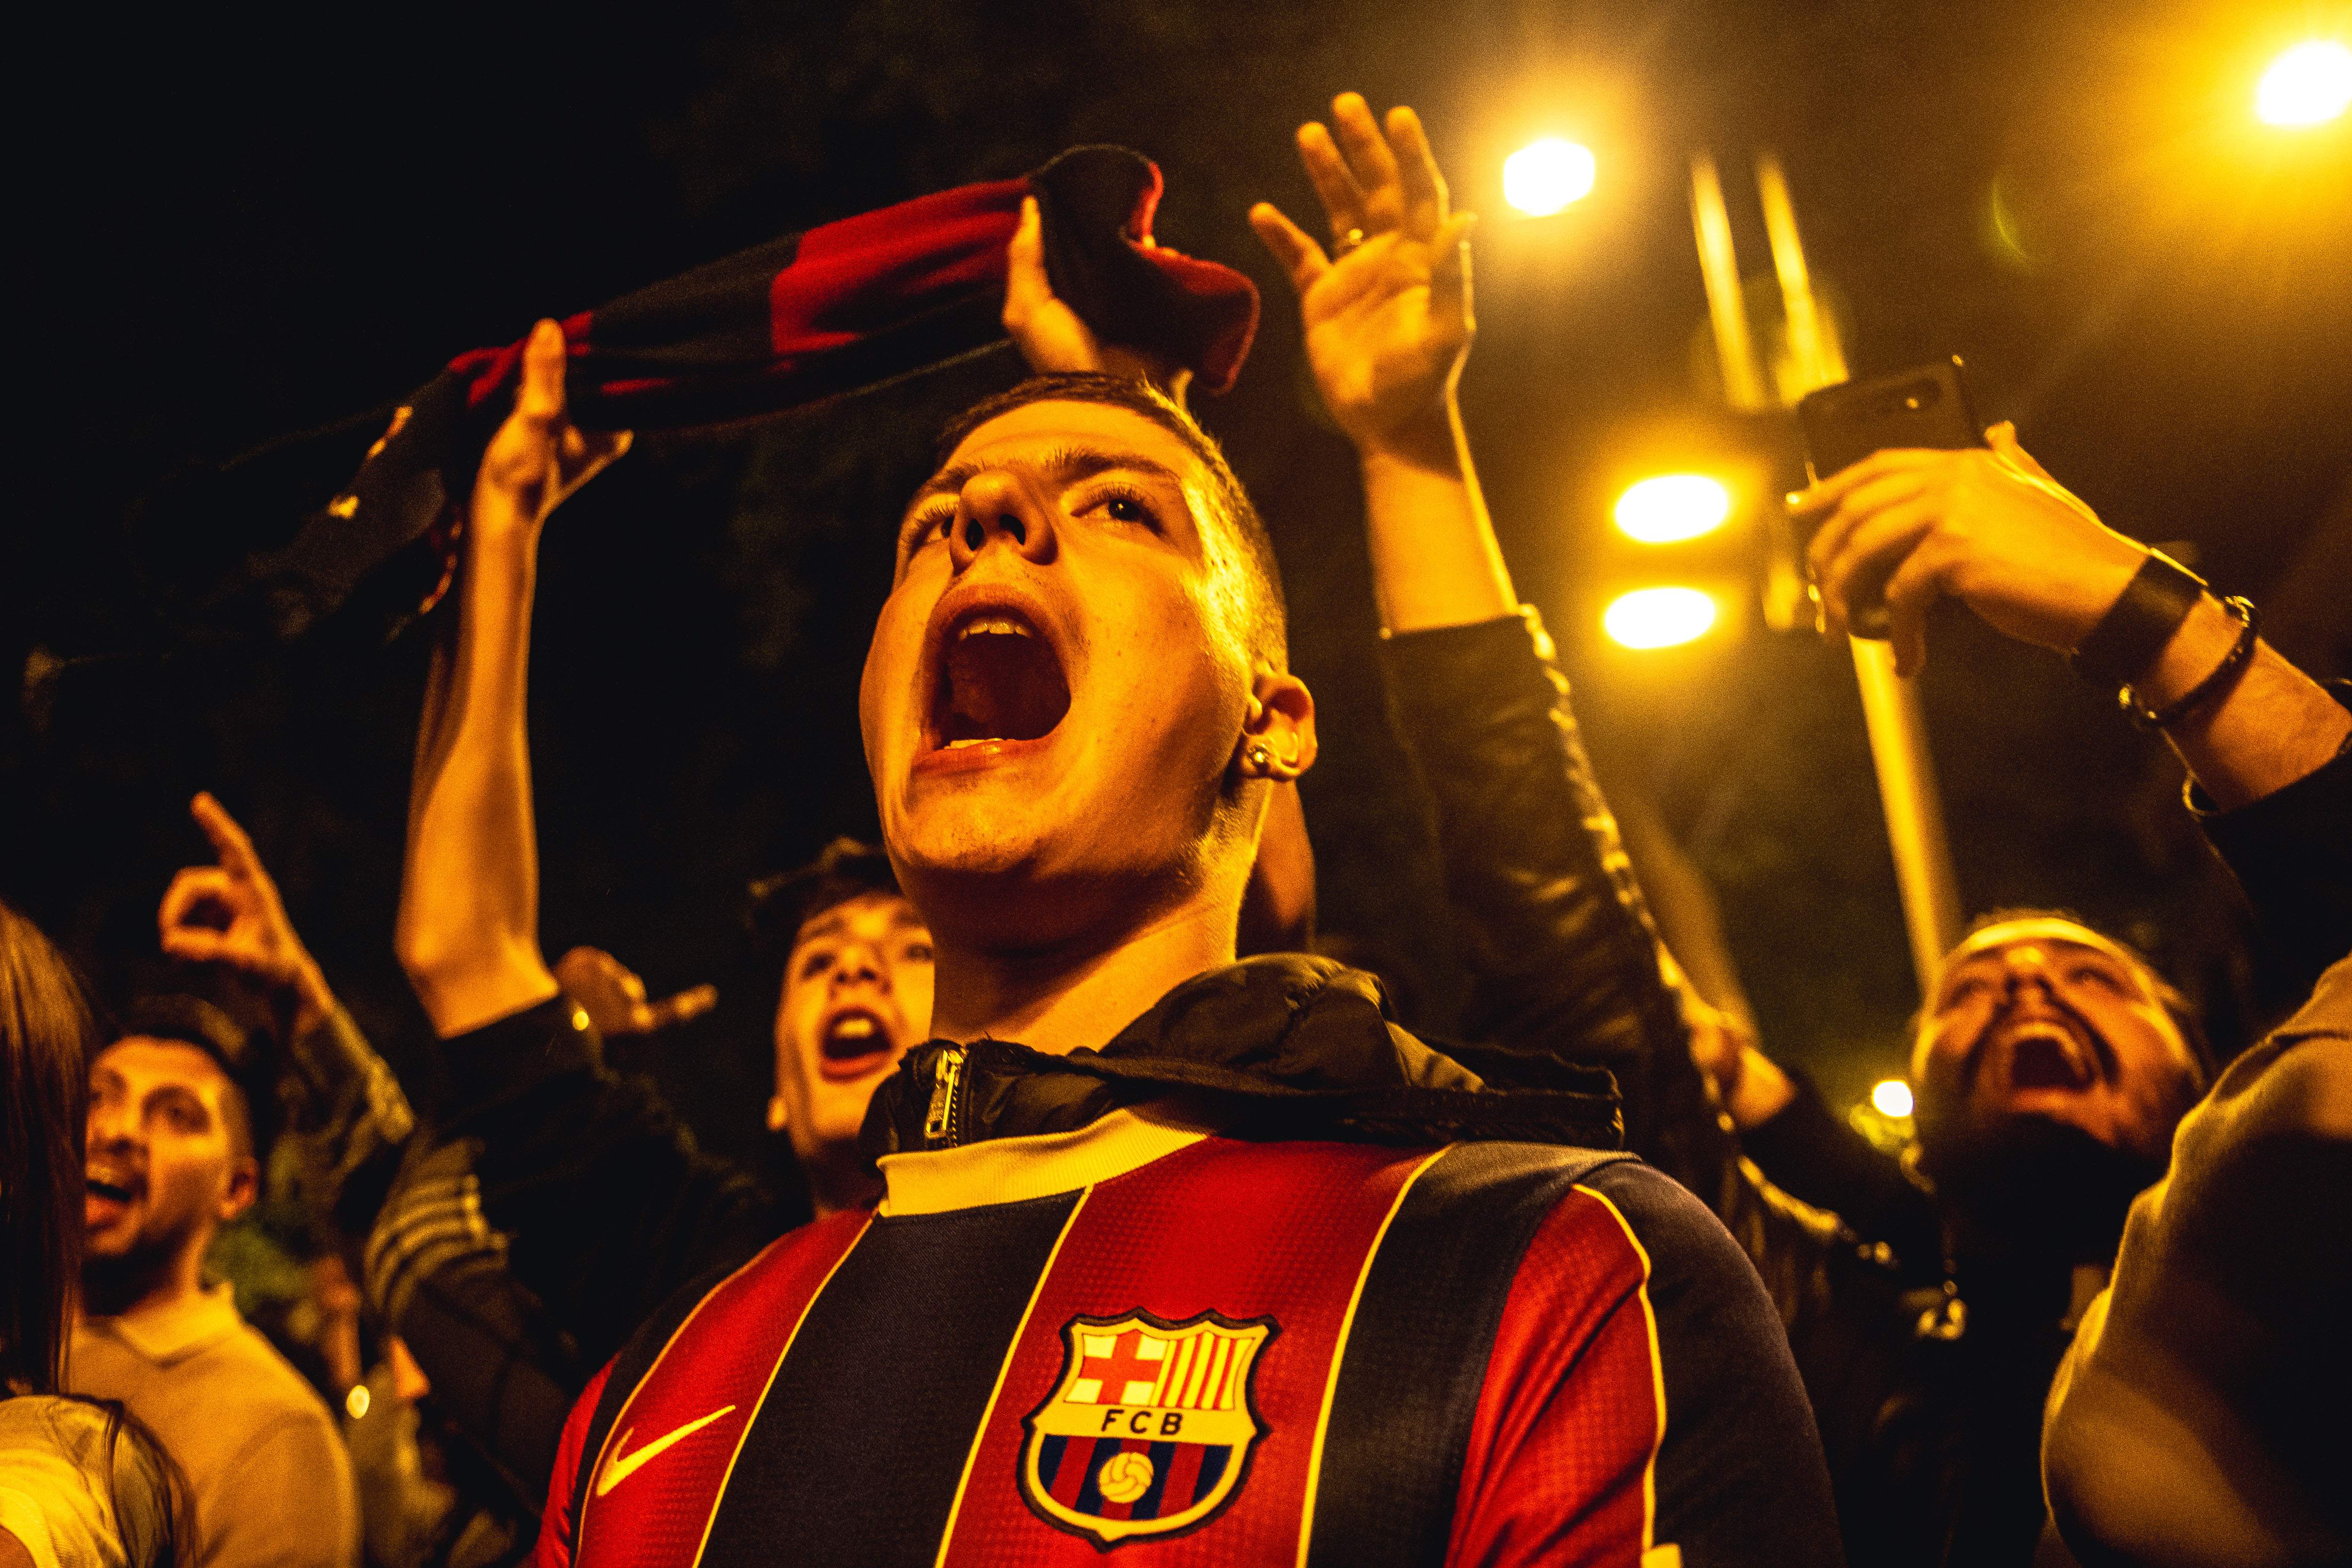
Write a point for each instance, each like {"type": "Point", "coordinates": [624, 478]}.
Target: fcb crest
{"type": "Point", "coordinates": [1149, 1429]}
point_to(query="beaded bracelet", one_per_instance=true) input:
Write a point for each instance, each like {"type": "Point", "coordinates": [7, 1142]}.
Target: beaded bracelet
{"type": "Point", "coordinates": [2224, 675]}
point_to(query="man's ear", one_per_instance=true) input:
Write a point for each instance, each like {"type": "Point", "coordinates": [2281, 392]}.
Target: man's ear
{"type": "Point", "coordinates": [243, 1185]}
{"type": "Point", "coordinates": [1278, 739]}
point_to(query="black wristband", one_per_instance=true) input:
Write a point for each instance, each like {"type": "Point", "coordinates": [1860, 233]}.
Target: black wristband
{"type": "Point", "coordinates": [2124, 645]}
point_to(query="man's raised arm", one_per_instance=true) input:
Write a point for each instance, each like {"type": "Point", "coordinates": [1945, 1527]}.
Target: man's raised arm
{"type": "Point", "coordinates": [469, 927]}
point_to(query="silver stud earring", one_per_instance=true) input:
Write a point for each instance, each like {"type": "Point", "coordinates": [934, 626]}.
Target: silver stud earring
{"type": "Point", "coordinates": [1258, 758]}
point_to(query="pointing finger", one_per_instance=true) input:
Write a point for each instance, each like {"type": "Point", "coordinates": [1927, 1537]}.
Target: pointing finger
{"type": "Point", "coordinates": [229, 840]}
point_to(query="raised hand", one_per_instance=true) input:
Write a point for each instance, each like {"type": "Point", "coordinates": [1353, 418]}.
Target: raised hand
{"type": "Point", "coordinates": [1387, 312]}
{"type": "Point", "coordinates": [1988, 527]}
{"type": "Point", "coordinates": [538, 457]}
{"type": "Point", "coordinates": [230, 913]}
{"type": "Point", "coordinates": [615, 998]}
{"type": "Point", "coordinates": [1052, 337]}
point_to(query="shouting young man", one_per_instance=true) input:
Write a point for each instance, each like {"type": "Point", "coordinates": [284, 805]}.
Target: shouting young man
{"type": "Point", "coordinates": [1215, 1261]}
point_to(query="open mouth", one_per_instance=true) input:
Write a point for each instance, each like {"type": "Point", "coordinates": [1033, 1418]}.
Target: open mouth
{"type": "Point", "coordinates": [855, 1041]}
{"type": "Point", "coordinates": [2046, 1054]}
{"type": "Point", "coordinates": [110, 1191]}
{"type": "Point", "coordinates": [998, 681]}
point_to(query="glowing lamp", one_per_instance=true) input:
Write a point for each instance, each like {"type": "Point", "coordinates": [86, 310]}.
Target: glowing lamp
{"type": "Point", "coordinates": [1672, 508]}
{"type": "Point", "coordinates": [1657, 617]}
{"type": "Point", "coordinates": [1544, 176]}
{"type": "Point", "coordinates": [1892, 1097]}
{"type": "Point", "coordinates": [356, 1402]}
{"type": "Point", "coordinates": [2311, 84]}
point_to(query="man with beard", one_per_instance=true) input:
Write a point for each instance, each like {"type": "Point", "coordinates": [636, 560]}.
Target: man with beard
{"type": "Point", "coordinates": [2052, 1063]}
{"type": "Point", "coordinates": [174, 1155]}
{"type": "Point", "coordinates": [1216, 1258]}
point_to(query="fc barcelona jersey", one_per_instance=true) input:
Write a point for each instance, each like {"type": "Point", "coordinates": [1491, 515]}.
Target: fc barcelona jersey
{"type": "Point", "coordinates": [1143, 1342]}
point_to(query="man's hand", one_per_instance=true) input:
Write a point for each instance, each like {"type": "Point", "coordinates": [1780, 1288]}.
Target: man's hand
{"type": "Point", "coordinates": [231, 914]}
{"type": "Point", "coordinates": [1052, 337]}
{"type": "Point", "coordinates": [615, 998]}
{"type": "Point", "coordinates": [538, 457]}
{"type": "Point", "coordinates": [1387, 319]}
{"type": "Point", "coordinates": [1987, 527]}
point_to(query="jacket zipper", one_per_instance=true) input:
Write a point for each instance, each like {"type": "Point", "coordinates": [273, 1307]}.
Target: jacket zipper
{"type": "Point", "coordinates": [943, 1122]}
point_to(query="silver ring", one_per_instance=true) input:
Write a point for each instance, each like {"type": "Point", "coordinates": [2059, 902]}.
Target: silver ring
{"type": "Point", "coordinates": [1346, 243]}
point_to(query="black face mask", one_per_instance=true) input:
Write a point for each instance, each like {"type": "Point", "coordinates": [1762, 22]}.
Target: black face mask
{"type": "Point", "coordinates": [2039, 1187]}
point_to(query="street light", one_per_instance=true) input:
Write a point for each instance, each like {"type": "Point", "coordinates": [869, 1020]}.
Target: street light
{"type": "Point", "coordinates": [1544, 176]}
{"type": "Point", "coordinates": [1658, 617]}
{"type": "Point", "coordinates": [1672, 508]}
{"type": "Point", "coordinates": [2311, 84]}
{"type": "Point", "coordinates": [1892, 1097]}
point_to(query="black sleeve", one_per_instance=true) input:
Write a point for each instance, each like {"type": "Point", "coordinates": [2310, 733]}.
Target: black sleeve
{"type": "Point", "coordinates": [2292, 853]}
{"type": "Point", "coordinates": [554, 1207]}
{"type": "Point", "coordinates": [1807, 1152]}
{"type": "Point", "coordinates": [608, 1204]}
{"type": "Point", "coordinates": [1558, 942]}
{"type": "Point", "coordinates": [1563, 958]}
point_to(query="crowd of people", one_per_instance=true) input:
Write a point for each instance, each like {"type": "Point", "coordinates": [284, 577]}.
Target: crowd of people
{"type": "Point", "coordinates": [1127, 1218]}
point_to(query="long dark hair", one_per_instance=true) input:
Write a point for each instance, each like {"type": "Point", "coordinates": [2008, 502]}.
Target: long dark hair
{"type": "Point", "coordinates": [44, 1031]}
{"type": "Point", "coordinates": [46, 1035]}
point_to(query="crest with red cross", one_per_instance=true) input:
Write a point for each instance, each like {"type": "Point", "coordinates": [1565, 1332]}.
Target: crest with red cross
{"type": "Point", "coordinates": [1149, 1429]}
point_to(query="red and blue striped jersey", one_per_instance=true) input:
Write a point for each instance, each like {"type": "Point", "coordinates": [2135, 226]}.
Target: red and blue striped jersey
{"type": "Point", "coordinates": [1143, 1340]}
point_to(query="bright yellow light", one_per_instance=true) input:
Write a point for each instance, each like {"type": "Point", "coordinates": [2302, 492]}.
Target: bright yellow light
{"type": "Point", "coordinates": [1893, 1098]}
{"type": "Point", "coordinates": [1672, 508]}
{"type": "Point", "coordinates": [1544, 176]}
{"type": "Point", "coordinates": [1658, 617]}
{"type": "Point", "coordinates": [2310, 84]}
{"type": "Point", "coordinates": [356, 1401]}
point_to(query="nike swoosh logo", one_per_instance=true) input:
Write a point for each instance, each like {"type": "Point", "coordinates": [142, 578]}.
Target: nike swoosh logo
{"type": "Point", "coordinates": [620, 1467]}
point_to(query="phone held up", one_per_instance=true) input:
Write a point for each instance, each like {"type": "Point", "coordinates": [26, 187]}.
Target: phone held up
{"type": "Point", "coordinates": [1927, 406]}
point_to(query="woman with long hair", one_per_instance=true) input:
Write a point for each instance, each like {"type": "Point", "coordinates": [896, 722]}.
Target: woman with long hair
{"type": "Point", "coordinates": [80, 1482]}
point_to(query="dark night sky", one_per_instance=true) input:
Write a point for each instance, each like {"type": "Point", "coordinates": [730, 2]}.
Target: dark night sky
{"type": "Point", "coordinates": [236, 228]}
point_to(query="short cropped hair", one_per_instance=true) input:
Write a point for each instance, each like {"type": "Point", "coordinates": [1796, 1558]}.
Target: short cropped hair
{"type": "Point", "coordinates": [242, 1055]}
{"type": "Point", "coordinates": [1267, 633]}
{"type": "Point", "coordinates": [779, 905]}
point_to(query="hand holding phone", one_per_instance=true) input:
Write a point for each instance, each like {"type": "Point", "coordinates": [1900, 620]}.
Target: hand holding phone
{"type": "Point", "coordinates": [1925, 407]}
{"type": "Point", "coordinates": [1987, 526]}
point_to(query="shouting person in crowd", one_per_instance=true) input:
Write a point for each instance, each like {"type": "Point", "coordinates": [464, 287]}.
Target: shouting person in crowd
{"type": "Point", "coordinates": [2052, 1062]}
{"type": "Point", "coordinates": [80, 1482]}
{"type": "Point", "coordinates": [2052, 1068]}
{"type": "Point", "coordinates": [181, 1113]}
{"type": "Point", "coordinates": [555, 1203]}
{"type": "Point", "coordinates": [1217, 1258]}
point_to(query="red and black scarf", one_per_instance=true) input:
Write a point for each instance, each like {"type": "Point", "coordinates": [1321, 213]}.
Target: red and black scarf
{"type": "Point", "coordinates": [801, 318]}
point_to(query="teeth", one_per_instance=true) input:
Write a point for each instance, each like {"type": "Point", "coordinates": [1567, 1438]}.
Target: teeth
{"type": "Point", "coordinates": [959, 745]}
{"type": "Point", "coordinates": [992, 626]}
{"type": "Point", "coordinates": [853, 1028]}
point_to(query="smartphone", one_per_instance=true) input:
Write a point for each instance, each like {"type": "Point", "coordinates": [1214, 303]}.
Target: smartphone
{"type": "Point", "coordinates": [1927, 406]}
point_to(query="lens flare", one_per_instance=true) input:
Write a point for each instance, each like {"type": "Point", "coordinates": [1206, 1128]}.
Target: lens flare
{"type": "Point", "coordinates": [2311, 84]}
{"type": "Point", "coordinates": [1672, 508]}
{"type": "Point", "coordinates": [1544, 176]}
{"type": "Point", "coordinates": [1892, 1097]}
{"type": "Point", "coordinates": [1658, 617]}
